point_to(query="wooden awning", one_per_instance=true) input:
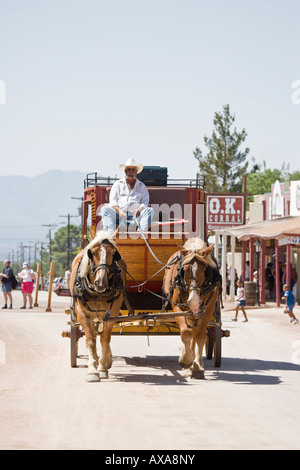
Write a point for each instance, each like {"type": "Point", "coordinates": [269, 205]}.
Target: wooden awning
{"type": "Point", "coordinates": [276, 229]}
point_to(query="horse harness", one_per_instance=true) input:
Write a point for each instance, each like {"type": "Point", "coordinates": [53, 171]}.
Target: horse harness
{"type": "Point", "coordinates": [212, 283]}
{"type": "Point", "coordinates": [85, 291]}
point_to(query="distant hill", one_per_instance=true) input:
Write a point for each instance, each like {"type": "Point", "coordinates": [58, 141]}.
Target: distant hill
{"type": "Point", "coordinates": [28, 203]}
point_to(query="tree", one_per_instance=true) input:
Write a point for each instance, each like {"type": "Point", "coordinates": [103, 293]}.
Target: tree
{"type": "Point", "coordinates": [261, 181]}
{"type": "Point", "coordinates": [225, 163]}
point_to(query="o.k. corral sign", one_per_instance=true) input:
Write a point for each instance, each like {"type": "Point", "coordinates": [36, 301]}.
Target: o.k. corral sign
{"type": "Point", "coordinates": [224, 211]}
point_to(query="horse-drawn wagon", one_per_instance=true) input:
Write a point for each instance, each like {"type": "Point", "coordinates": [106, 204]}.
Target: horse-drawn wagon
{"type": "Point", "coordinates": [171, 283]}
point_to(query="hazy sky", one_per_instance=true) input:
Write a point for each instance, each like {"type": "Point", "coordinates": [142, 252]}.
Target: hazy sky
{"type": "Point", "coordinates": [90, 83]}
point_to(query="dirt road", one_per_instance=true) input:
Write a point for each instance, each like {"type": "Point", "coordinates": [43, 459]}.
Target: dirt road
{"type": "Point", "coordinates": [251, 402]}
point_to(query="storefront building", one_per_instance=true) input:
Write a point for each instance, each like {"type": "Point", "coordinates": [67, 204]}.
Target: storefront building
{"type": "Point", "coordinates": [271, 236]}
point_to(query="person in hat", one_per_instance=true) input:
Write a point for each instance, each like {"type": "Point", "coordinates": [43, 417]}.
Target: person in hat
{"type": "Point", "coordinates": [27, 277]}
{"type": "Point", "coordinates": [128, 200]}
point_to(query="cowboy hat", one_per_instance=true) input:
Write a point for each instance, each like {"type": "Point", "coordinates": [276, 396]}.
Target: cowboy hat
{"type": "Point", "coordinates": [131, 162]}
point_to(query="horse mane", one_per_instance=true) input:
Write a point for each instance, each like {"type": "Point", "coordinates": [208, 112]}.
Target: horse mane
{"type": "Point", "coordinates": [99, 238]}
{"type": "Point", "coordinates": [197, 248]}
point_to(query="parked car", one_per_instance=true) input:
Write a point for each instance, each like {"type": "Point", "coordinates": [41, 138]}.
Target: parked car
{"type": "Point", "coordinates": [59, 283]}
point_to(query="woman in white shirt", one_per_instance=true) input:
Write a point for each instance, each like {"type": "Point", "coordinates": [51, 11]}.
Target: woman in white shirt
{"type": "Point", "coordinates": [27, 277]}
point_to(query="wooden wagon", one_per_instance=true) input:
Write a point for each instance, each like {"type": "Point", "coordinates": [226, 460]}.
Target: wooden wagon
{"type": "Point", "coordinates": [179, 213]}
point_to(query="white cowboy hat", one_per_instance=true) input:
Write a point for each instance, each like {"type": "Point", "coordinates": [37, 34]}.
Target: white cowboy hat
{"type": "Point", "coordinates": [131, 162]}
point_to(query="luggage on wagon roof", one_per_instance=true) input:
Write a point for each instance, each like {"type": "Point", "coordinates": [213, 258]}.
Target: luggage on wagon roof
{"type": "Point", "coordinates": [154, 175]}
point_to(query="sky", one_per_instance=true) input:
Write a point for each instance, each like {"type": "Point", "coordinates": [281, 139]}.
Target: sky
{"type": "Point", "coordinates": [87, 84]}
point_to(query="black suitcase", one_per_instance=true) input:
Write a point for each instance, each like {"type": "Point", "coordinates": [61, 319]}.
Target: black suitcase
{"type": "Point", "coordinates": [154, 175]}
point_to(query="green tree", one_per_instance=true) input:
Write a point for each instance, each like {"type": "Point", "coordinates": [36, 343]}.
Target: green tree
{"type": "Point", "coordinates": [225, 163]}
{"type": "Point", "coordinates": [261, 181]}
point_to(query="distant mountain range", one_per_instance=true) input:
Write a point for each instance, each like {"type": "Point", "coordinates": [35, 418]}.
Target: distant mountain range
{"type": "Point", "coordinates": [26, 204]}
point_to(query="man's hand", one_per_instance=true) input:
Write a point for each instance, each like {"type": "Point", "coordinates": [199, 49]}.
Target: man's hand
{"type": "Point", "coordinates": [136, 212]}
{"type": "Point", "coordinates": [122, 213]}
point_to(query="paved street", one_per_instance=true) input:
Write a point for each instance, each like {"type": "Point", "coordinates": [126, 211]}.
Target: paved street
{"type": "Point", "coordinates": [251, 402]}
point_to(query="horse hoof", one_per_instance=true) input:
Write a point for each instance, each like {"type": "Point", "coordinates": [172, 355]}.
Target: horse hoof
{"type": "Point", "coordinates": [184, 365]}
{"type": "Point", "coordinates": [103, 374]}
{"type": "Point", "coordinates": [198, 374]}
{"type": "Point", "coordinates": [93, 378]}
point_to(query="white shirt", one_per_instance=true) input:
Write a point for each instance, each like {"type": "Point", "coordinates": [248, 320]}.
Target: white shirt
{"type": "Point", "coordinates": [240, 291]}
{"type": "Point", "coordinates": [128, 199]}
{"type": "Point", "coordinates": [25, 275]}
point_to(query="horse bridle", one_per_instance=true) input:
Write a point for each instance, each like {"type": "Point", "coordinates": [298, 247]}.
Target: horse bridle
{"type": "Point", "coordinates": [84, 290]}
{"type": "Point", "coordinates": [212, 281]}
{"type": "Point", "coordinates": [96, 267]}
{"type": "Point", "coordinates": [192, 278]}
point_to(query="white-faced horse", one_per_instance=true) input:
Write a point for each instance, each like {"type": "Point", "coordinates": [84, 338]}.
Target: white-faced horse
{"type": "Point", "coordinates": [193, 283]}
{"type": "Point", "coordinates": [97, 286]}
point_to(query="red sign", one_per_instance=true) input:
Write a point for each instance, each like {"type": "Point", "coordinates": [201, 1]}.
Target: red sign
{"type": "Point", "coordinates": [226, 210]}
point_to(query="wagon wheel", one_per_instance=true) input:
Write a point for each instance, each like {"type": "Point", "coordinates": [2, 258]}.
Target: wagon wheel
{"type": "Point", "coordinates": [73, 338]}
{"type": "Point", "coordinates": [209, 345]}
{"type": "Point", "coordinates": [217, 346]}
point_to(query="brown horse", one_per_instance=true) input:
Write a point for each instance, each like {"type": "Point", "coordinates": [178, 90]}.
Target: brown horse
{"type": "Point", "coordinates": [97, 286]}
{"type": "Point", "coordinates": [192, 283]}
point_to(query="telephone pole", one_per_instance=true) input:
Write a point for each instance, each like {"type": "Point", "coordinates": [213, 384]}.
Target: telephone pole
{"type": "Point", "coordinates": [68, 249]}
{"type": "Point", "coordinates": [50, 227]}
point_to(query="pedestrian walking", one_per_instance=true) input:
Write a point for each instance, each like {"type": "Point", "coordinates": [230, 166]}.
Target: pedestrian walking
{"type": "Point", "coordinates": [290, 303]}
{"type": "Point", "coordinates": [240, 301]}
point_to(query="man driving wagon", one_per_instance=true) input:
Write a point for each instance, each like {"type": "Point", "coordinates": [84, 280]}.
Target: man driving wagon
{"type": "Point", "coordinates": [128, 201]}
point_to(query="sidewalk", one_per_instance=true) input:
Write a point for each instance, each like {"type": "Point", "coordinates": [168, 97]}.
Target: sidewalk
{"type": "Point", "coordinates": [58, 303]}
{"type": "Point", "coordinates": [231, 305]}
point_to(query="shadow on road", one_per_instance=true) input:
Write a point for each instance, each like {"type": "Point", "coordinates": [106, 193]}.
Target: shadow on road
{"type": "Point", "coordinates": [251, 371]}
{"type": "Point", "coordinates": [169, 372]}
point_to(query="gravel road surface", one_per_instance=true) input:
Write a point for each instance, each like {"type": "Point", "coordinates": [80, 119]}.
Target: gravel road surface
{"type": "Point", "coordinates": [251, 402]}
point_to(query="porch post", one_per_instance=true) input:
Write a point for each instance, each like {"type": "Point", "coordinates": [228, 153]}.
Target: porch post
{"type": "Point", "coordinates": [244, 253]}
{"type": "Point", "coordinates": [224, 246]}
{"type": "Point", "coordinates": [232, 272]}
{"type": "Point", "coordinates": [262, 272]}
{"type": "Point", "coordinates": [251, 260]}
{"type": "Point", "coordinates": [216, 247]}
{"type": "Point", "coordinates": [288, 265]}
{"type": "Point", "coordinates": [277, 280]}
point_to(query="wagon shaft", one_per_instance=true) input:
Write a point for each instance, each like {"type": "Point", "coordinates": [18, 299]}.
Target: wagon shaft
{"type": "Point", "coordinates": [153, 316]}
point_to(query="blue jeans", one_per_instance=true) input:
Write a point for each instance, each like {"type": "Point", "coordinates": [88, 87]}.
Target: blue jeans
{"type": "Point", "coordinates": [111, 219]}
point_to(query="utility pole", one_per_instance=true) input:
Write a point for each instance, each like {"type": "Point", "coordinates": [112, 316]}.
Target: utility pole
{"type": "Point", "coordinates": [81, 207]}
{"type": "Point", "coordinates": [50, 227]}
{"type": "Point", "coordinates": [21, 252]}
{"type": "Point", "coordinates": [22, 248]}
{"type": "Point", "coordinates": [68, 249]}
{"type": "Point", "coordinates": [35, 251]}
